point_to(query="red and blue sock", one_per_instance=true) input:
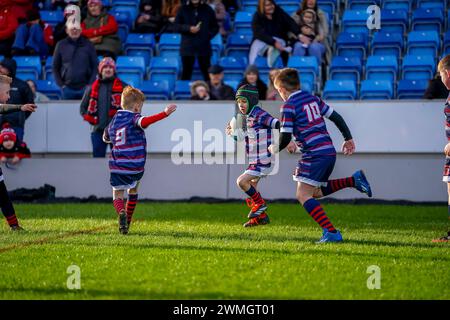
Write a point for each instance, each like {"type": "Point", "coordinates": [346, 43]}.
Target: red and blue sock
{"type": "Point", "coordinates": [315, 210]}
{"type": "Point", "coordinates": [131, 205]}
{"type": "Point", "coordinates": [338, 184]}
{"type": "Point", "coordinates": [119, 205]}
{"type": "Point", "coordinates": [7, 206]}
{"type": "Point", "coordinates": [255, 195]}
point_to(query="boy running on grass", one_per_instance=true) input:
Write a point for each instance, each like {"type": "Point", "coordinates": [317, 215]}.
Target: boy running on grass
{"type": "Point", "coordinates": [302, 115]}
{"type": "Point", "coordinates": [129, 151]}
{"type": "Point", "coordinates": [444, 71]}
{"type": "Point", "coordinates": [258, 137]}
{"type": "Point", "coordinates": [5, 202]}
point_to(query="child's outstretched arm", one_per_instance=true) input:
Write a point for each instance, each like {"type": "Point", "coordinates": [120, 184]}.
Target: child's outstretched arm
{"type": "Point", "coordinates": [349, 145]}
{"type": "Point", "coordinates": [144, 122]}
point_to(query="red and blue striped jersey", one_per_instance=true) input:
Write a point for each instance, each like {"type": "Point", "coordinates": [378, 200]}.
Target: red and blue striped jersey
{"type": "Point", "coordinates": [447, 118]}
{"type": "Point", "coordinates": [303, 115]}
{"type": "Point", "coordinates": [129, 148]}
{"type": "Point", "coordinates": [259, 136]}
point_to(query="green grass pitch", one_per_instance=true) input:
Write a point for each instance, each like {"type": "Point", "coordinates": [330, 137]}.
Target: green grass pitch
{"type": "Point", "coordinates": [201, 251]}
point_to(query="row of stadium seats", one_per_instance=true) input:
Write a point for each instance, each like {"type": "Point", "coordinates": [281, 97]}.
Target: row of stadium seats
{"type": "Point", "coordinates": [374, 89]}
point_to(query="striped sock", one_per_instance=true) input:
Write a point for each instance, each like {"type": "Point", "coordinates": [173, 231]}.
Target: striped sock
{"type": "Point", "coordinates": [131, 205]}
{"type": "Point", "coordinates": [119, 205]}
{"type": "Point", "coordinates": [12, 220]}
{"type": "Point", "coordinates": [338, 184]}
{"type": "Point", "coordinates": [315, 210]}
{"type": "Point", "coordinates": [255, 195]}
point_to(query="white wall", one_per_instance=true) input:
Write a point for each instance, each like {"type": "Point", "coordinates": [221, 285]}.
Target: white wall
{"type": "Point", "coordinates": [400, 147]}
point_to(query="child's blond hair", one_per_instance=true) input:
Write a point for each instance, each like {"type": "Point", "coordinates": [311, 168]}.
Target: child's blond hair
{"type": "Point", "coordinates": [132, 97]}
{"type": "Point", "coordinates": [288, 79]}
{"type": "Point", "coordinates": [5, 79]}
{"type": "Point", "coordinates": [444, 64]}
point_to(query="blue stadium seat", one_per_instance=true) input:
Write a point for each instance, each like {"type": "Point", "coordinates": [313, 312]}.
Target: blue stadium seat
{"type": "Point", "coordinates": [411, 89]}
{"type": "Point", "coordinates": [355, 21]}
{"type": "Point", "coordinates": [432, 4]}
{"type": "Point", "coordinates": [328, 6]}
{"type": "Point", "coordinates": [232, 83]}
{"type": "Point", "coordinates": [125, 3]}
{"type": "Point", "coordinates": [48, 68]}
{"type": "Point", "coordinates": [339, 90]}
{"type": "Point", "coordinates": [140, 44]}
{"type": "Point", "coordinates": [394, 21]}
{"type": "Point", "coordinates": [182, 90]}
{"type": "Point", "coordinates": [49, 88]}
{"type": "Point", "coordinates": [427, 19]}
{"type": "Point", "coordinates": [306, 86]}
{"type": "Point", "coordinates": [155, 90]}
{"type": "Point", "coordinates": [376, 90]}
{"type": "Point", "coordinates": [132, 10]}
{"type": "Point", "coordinates": [288, 7]}
{"type": "Point", "coordinates": [387, 44]}
{"type": "Point", "coordinates": [238, 45]}
{"type": "Point", "coordinates": [123, 18]}
{"type": "Point", "coordinates": [30, 65]}
{"type": "Point", "coordinates": [217, 47]}
{"type": "Point", "coordinates": [447, 42]}
{"type": "Point", "coordinates": [345, 68]}
{"type": "Point", "coordinates": [361, 4]}
{"type": "Point", "coordinates": [243, 22]}
{"type": "Point", "coordinates": [422, 43]}
{"type": "Point", "coordinates": [233, 67]}
{"type": "Point", "coordinates": [131, 69]}
{"type": "Point", "coordinates": [382, 68]}
{"type": "Point", "coordinates": [52, 17]}
{"type": "Point", "coordinates": [352, 44]}
{"type": "Point", "coordinates": [169, 45]}
{"type": "Point", "coordinates": [307, 66]}
{"type": "Point", "coordinates": [418, 67]}
{"type": "Point", "coordinates": [249, 5]}
{"type": "Point", "coordinates": [165, 68]}
{"type": "Point", "coordinates": [397, 5]}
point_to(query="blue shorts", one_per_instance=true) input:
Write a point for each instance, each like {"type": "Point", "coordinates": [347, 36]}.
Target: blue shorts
{"type": "Point", "coordinates": [314, 171]}
{"type": "Point", "coordinates": [259, 170]}
{"type": "Point", "coordinates": [446, 174]}
{"type": "Point", "coordinates": [125, 181]}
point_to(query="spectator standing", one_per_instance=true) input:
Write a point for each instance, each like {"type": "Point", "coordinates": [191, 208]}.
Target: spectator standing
{"type": "Point", "coordinates": [219, 90]}
{"type": "Point", "coordinates": [317, 46]}
{"type": "Point", "coordinates": [101, 29]}
{"type": "Point", "coordinates": [251, 77]}
{"type": "Point", "coordinates": [271, 26]}
{"type": "Point", "coordinates": [222, 16]}
{"type": "Point", "coordinates": [197, 23]}
{"type": "Point", "coordinates": [101, 102]}
{"type": "Point", "coordinates": [19, 94]}
{"type": "Point", "coordinates": [35, 37]}
{"type": "Point", "coordinates": [74, 62]}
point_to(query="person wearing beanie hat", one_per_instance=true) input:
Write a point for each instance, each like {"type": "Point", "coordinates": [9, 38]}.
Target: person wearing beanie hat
{"type": "Point", "coordinates": [35, 37]}
{"type": "Point", "coordinates": [259, 125]}
{"type": "Point", "coordinates": [100, 103]}
{"type": "Point", "coordinates": [5, 202]}
{"type": "Point", "coordinates": [101, 29]}
{"type": "Point", "coordinates": [251, 76]}
{"type": "Point", "coordinates": [12, 150]}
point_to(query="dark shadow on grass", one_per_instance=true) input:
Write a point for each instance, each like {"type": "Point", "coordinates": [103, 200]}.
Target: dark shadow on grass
{"type": "Point", "coordinates": [63, 293]}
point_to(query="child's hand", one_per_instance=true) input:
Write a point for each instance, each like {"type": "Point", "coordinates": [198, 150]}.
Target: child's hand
{"type": "Point", "coordinates": [273, 149]}
{"type": "Point", "coordinates": [447, 150]}
{"type": "Point", "coordinates": [30, 107]}
{"type": "Point", "coordinates": [348, 147]}
{"type": "Point", "coordinates": [15, 160]}
{"type": "Point", "coordinates": [292, 147]}
{"type": "Point", "coordinates": [228, 130]}
{"type": "Point", "coordinates": [170, 109]}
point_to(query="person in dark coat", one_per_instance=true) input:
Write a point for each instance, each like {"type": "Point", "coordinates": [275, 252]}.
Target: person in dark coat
{"type": "Point", "coordinates": [218, 89]}
{"type": "Point", "coordinates": [101, 102]}
{"type": "Point", "coordinates": [74, 63]}
{"type": "Point", "coordinates": [251, 77]}
{"type": "Point", "coordinates": [197, 23]}
{"type": "Point", "coordinates": [20, 93]}
{"type": "Point", "coordinates": [149, 19]}
{"type": "Point", "coordinates": [436, 89]}
{"type": "Point", "coordinates": [271, 26]}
